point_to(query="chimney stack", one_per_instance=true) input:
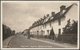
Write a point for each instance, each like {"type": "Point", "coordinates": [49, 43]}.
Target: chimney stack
{"type": "Point", "coordinates": [44, 17]}
{"type": "Point", "coordinates": [52, 14]}
{"type": "Point", "coordinates": [62, 8]}
{"type": "Point", "coordinates": [47, 15]}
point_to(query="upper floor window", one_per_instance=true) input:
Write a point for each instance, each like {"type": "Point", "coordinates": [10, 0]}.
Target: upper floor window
{"type": "Point", "coordinates": [50, 24]}
{"type": "Point", "coordinates": [59, 21]}
{"type": "Point", "coordinates": [59, 31]}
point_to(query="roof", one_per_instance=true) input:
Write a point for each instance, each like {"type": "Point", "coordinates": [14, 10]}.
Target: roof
{"type": "Point", "coordinates": [53, 18]}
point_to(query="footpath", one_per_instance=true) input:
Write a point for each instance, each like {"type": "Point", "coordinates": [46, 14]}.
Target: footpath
{"type": "Point", "coordinates": [34, 41]}
{"type": "Point", "coordinates": [64, 45]}
{"type": "Point", "coordinates": [6, 41]}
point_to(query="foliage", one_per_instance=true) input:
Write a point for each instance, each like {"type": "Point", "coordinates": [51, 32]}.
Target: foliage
{"type": "Point", "coordinates": [70, 28]}
{"type": "Point", "coordinates": [7, 32]}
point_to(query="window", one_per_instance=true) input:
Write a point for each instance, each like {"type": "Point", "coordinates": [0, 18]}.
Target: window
{"type": "Point", "coordinates": [59, 21]}
{"type": "Point", "coordinates": [50, 24]}
{"type": "Point", "coordinates": [48, 31]}
{"type": "Point", "coordinates": [45, 25]}
{"type": "Point", "coordinates": [59, 31]}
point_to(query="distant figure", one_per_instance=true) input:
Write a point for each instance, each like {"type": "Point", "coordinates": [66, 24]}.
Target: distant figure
{"type": "Point", "coordinates": [28, 33]}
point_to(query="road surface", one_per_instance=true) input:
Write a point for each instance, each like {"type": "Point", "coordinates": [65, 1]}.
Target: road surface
{"type": "Point", "coordinates": [20, 41]}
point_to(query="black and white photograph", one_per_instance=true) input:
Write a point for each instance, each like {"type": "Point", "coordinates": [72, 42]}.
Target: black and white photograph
{"type": "Point", "coordinates": [40, 24]}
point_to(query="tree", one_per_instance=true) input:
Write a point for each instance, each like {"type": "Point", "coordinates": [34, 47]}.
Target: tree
{"type": "Point", "coordinates": [7, 32]}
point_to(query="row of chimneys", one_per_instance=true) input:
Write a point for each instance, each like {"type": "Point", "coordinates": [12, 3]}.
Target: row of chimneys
{"type": "Point", "coordinates": [53, 13]}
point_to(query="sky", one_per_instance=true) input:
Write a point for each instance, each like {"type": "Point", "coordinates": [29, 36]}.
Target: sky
{"type": "Point", "coordinates": [21, 15]}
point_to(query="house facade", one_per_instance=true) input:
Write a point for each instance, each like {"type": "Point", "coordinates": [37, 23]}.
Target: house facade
{"type": "Point", "coordinates": [52, 26]}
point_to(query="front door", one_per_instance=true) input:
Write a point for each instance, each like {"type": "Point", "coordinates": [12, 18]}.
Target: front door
{"type": "Point", "coordinates": [52, 34]}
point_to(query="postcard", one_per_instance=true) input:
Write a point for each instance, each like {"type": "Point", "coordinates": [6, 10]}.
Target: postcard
{"type": "Point", "coordinates": [40, 24]}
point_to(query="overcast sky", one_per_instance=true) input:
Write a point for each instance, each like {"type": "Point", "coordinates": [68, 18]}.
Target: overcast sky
{"type": "Point", "coordinates": [20, 15]}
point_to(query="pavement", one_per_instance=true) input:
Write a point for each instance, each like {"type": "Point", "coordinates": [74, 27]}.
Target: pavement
{"type": "Point", "coordinates": [6, 41]}
{"type": "Point", "coordinates": [21, 41]}
{"type": "Point", "coordinates": [64, 45]}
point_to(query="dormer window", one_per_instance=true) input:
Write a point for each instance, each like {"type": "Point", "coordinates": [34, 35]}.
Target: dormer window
{"type": "Point", "coordinates": [62, 12]}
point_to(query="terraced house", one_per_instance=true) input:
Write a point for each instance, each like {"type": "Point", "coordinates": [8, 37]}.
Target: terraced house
{"type": "Point", "coordinates": [54, 25]}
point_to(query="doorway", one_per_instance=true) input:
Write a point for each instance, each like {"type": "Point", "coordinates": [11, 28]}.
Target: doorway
{"type": "Point", "coordinates": [52, 34]}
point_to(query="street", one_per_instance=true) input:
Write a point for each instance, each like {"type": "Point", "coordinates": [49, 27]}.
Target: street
{"type": "Point", "coordinates": [20, 41]}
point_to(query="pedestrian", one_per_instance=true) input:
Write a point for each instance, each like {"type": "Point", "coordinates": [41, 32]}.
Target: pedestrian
{"type": "Point", "coordinates": [28, 34]}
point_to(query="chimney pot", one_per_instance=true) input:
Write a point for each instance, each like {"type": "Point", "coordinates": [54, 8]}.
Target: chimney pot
{"type": "Point", "coordinates": [47, 15]}
{"type": "Point", "coordinates": [53, 13]}
{"type": "Point", "coordinates": [62, 7]}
